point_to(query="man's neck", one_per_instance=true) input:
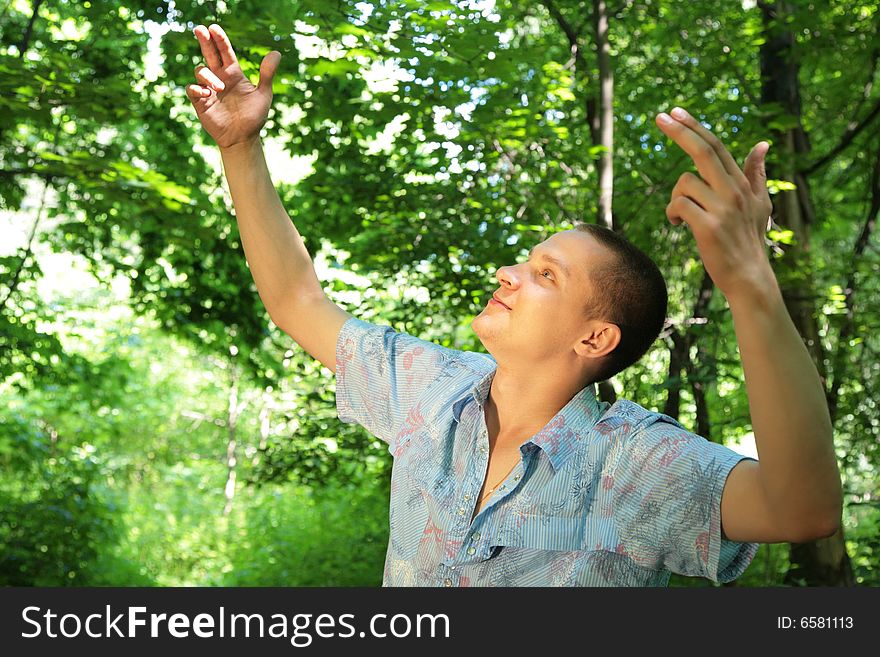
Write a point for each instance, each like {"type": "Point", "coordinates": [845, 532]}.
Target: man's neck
{"type": "Point", "coordinates": [521, 403]}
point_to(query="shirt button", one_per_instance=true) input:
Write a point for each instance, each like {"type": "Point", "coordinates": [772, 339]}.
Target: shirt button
{"type": "Point", "coordinates": [475, 536]}
{"type": "Point", "coordinates": [516, 478]}
{"type": "Point", "coordinates": [471, 550]}
{"type": "Point", "coordinates": [447, 582]}
{"type": "Point", "coordinates": [461, 510]}
{"type": "Point", "coordinates": [467, 498]}
{"type": "Point", "coordinates": [483, 450]}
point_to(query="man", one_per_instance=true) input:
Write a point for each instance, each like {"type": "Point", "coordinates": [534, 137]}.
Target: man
{"type": "Point", "coordinates": [507, 470]}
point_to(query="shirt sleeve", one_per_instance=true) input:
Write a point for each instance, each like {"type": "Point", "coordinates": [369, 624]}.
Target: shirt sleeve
{"type": "Point", "coordinates": [381, 376]}
{"type": "Point", "coordinates": [674, 519]}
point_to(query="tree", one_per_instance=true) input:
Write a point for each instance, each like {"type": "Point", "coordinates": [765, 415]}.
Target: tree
{"type": "Point", "coordinates": [445, 140]}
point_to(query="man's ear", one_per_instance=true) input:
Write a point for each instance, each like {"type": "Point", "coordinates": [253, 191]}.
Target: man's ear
{"type": "Point", "coordinates": [600, 340]}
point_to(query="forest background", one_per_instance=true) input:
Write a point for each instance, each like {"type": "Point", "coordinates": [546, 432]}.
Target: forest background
{"type": "Point", "coordinates": [157, 429]}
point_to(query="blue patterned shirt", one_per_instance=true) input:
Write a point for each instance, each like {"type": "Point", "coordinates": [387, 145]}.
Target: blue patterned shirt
{"type": "Point", "coordinates": [604, 495]}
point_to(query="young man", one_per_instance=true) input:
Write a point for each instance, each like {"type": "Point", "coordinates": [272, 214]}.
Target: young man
{"type": "Point", "coordinates": [507, 470]}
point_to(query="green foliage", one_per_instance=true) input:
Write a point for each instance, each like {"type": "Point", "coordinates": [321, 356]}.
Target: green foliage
{"type": "Point", "coordinates": [56, 520]}
{"type": "Point", "coordinates": [332, 535]}
{"type": "Point", "coordinates": [176, 531]}
{"type": "Point", "coordinates": [445, 140]}
{"type": "Point", "coordinates": [863, 542]}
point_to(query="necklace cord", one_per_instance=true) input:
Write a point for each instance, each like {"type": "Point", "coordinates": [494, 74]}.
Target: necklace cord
{"type": "Point", "coordinates": [506, 475]}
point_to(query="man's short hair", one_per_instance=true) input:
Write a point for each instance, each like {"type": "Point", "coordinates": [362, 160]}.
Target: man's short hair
{"type": "Point", "coordinates": [631, 293]}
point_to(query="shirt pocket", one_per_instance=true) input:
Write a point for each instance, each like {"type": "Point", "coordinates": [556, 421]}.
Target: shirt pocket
{"type": "Point", "coordinates": [601, 534]}
{"type": "Point", "coordinates": [540, 533]}
{"type": "Point", "coordinates": [558, 534]}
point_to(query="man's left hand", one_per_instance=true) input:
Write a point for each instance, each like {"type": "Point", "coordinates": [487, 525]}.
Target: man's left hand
{"type": "Point", "coordinates": [726, 208]}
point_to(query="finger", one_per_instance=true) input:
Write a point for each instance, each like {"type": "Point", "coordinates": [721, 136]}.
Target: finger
{"type": "Point", "coordinates": [681, 208]}
{"type": "Point", "coordinates": [755, 168]}
{"type": "Point", "coordinates": [701, 152]}
{"type": "Point", "coordinates": [267, 70]}
{"type": "Point", "coordinates": [697, 190]}
{"type": "Point", "coordinates": [723, 154]}
{"type": "Point", "coordinates": [209, 48]}
{"type": "Point", "coordinates": [197, 92]}
{"type": "Point", "coordinates": [224, 46]}
{"type": "Point", "coordinates": [208, 78]}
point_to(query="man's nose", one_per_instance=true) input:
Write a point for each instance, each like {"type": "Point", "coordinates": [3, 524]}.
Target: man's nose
{"type": "Point", "coordinates": [506, 276]}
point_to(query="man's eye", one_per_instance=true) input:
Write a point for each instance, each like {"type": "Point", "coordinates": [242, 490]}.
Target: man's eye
{"type": "Point", "coordinates": [546, 271]}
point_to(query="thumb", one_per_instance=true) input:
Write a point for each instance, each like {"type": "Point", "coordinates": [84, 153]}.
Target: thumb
{"type": "Point", "coordinates": [755, 168]}
{"type": "Point", "coordinates": [267, 70]}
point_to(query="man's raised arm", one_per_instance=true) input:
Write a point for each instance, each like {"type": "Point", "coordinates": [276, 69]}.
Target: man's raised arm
{"type": "Point", "coordinates": [794, 493]}
{"type": "Point", "coordinates": [233, 110]}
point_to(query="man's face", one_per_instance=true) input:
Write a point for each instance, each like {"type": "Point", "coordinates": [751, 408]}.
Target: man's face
{"type": "Point", "coordinates": [546, 297]}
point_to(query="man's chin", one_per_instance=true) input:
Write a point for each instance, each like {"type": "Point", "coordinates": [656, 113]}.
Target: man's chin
{"type": "Point", "coordinates": [483, 332]}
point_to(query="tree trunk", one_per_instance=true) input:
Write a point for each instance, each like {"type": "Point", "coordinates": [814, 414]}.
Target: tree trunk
{"type": "Point", "coordinates": [600, 122]}
{"type": "Point", "coordinates": [680, 360]}
{"type": "Point", "coordinates": [698, 388]}
{"type": "Point", "coordinates": [601, 125]}
{"type": "Point", "coordinates": [607, 393]}
{"type": "Point", "coordinates": [672, 407]}
{"type": "Point", "coordinates": [265, 426]}
{"type": "Point", "coordinates": [824, 562]}
{"type": "Point", "coordinates": [233, 411]}
{"type": "Point", "coordinates": [606, 115]}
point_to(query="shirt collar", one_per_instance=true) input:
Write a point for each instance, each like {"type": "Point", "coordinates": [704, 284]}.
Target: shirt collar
{"type": "Point", "coordinates": [564, 433]}
{"type": "Point", "coordinates": [479, 392]}
{"type": "Point", "coordinates": [570, 427]}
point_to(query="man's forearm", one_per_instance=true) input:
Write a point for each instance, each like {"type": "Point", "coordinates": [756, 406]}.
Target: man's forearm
{"type": "Point", "coordinates": [790, 418]}
{"type": "Point", "coordinates": [278, 259]}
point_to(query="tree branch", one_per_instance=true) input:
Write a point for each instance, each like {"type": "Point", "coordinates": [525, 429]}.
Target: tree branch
{"type": "Point", "coordinates": [41, 173]}
{"type": "Point", "coordinates": [852, 131]}
{"type": "Point", "coordinates": [201, 417]}
{"type": "Point", "coordinates": [565, 26]}
{"type": "Point", "coordinates": [580, 64]}
{"type": "Point", "coordinates": [29, 31]}
{"type": "Point", "coordinates": [846, 330]}
{"type": "Point", "coordinates": [869, 84]}
{"type": "Point", "coordinates": [3, 13]}
{"type": "Point", "coordinates": [27, 251]}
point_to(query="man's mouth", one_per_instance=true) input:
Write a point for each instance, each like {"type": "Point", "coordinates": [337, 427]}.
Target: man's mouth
{"type": "Point", "coordinates": [495, 299]}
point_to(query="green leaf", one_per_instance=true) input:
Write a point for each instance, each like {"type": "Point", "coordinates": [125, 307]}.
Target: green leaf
{"type": "Point", "coordinates": [335, 67]}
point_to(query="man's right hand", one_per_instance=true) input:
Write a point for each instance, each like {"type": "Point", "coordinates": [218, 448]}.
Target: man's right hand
{"type": "Point", "coordinates": [229, 107]}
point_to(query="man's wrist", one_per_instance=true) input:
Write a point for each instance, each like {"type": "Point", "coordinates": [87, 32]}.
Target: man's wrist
{"type": "Point", "coordinates": [243, 146]}
{"type": "Point", "coordinates": [759, 290]}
